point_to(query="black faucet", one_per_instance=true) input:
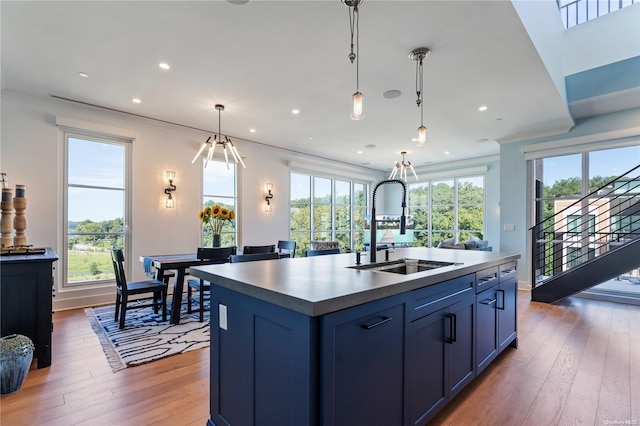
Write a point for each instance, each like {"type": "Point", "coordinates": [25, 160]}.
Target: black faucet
{"type": "Point", "coordinates": [403, 218]}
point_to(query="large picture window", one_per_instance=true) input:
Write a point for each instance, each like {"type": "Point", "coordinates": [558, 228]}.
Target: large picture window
{"type": "Point", "coordinates": [219, 188]}
{"type": "Point", "coordinates": [327, 209]}
{"type": "Point", "coordinates": [96, 207]}
{"type": "Point", "coordinates": [446, 208]}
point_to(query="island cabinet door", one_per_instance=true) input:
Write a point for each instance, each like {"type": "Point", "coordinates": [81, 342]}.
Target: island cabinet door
{"type": "Point", "coordinates": [362, 364]}
{"type": "Point", "coordinates": [486, 329]}
{"type": "Point", "coordinates": [440, 359]}
{"type": "Point", "coordinates": [263, 363]}
{"type": "Point", "coordinates": [506, 303]}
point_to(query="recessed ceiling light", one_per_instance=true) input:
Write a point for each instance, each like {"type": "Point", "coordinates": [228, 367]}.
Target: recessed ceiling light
{"type": "Point", "coordinates": [370, 146]}
{"type": "Point", "coordinates": [136, 100]}
{"type": "Point", "coordinates": [391, 94]}
{"type": "Point", "coordinates": [83, 74]}
{"type": "Point", "coordinates": [164, 66]}
{"type": "Point", "coordinates": [414, 140]}
{"type": "Point", "coordinates": [360, 152]}
{"type": "Point", "coordinates": [252, 130]}
{"type": "Point", "coordinates": [310, 138]}
{"type": "Point", "coordinates": [498, 119]}
{"type": "Point", "coordinates": [447, 153]}
{"type": "Point", "coordinates": [295, 111]}
{"type": "Point", "coordinates": [483, 108]}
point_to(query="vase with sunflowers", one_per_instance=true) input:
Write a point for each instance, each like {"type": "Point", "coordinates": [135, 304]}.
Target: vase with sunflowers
{"type": "Point", "coordinates": [215, 217]}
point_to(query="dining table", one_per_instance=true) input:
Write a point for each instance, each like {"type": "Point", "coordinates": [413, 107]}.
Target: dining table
{"type": "Point", "coordinates": [179, 263]}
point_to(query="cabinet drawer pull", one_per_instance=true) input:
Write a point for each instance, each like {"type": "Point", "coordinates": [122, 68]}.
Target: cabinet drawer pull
{"type": "Point", "coordinates": [501, 304]}
{"type": "Point", "coordinates": [375, 324]}
{"type": "Point", "coordinates": [452, 328]}
{"type": "Point", "coordinates": [488, 301]}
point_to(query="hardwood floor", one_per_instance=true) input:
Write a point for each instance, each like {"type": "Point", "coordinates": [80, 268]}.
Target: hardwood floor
{"type": "Point", "coordinates": [577, 363]}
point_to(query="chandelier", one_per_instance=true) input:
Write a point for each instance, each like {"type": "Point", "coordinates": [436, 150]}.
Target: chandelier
{"type": "Point", "coordinates": [226, 144]}
{"type": "Point", "coordinates": [400, 169]}
{"type": "Point", "coordinates": [354, 25]}
{"type": "Point", "coordinates": [418, 55]}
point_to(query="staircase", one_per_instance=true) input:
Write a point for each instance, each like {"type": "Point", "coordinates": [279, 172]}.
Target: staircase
{"type": "Point", "coordinates": [589, 241]}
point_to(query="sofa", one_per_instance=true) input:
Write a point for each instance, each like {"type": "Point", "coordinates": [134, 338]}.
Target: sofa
{"type": "Point", "coordinates": [472, 243]}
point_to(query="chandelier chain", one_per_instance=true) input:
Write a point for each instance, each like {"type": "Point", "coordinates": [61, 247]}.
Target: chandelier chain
{"type": "Point", "coordinates": [354, 26]}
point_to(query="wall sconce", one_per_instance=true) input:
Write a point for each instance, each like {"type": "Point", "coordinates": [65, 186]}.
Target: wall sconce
{"type": "Point", "coordinates": [268, 197]}
{"type": "Point", "coordinates": [170, 203]}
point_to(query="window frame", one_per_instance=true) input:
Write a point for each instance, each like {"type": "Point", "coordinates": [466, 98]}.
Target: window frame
{"type": "Point", "coordinates": [219, 161]}
{"type": "Point", "coordinates": [96, 137]}
{"type": "Point", "coordinates": [455, 204]}
{"type": "Point", "coordinates": [353, 229]}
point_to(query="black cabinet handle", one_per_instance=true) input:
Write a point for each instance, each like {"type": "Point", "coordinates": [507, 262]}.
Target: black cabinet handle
{"type": "Point", "coordinates": [501, 304]}
{"type": "Point", "coordinates": [488, 301]}
{"type": "Point", "coordinates": [375, 324]}
{"type": "Point", "coordinates": [452, 328]}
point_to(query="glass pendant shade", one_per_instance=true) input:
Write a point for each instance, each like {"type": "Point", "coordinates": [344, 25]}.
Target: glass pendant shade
{"type": "Point", "coordinates": [356, 112]}
{"type": "Point", "coordinates": [422, 135]}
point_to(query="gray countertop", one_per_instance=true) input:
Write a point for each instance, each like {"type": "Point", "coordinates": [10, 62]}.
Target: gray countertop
{"type": "Point", "coordinates": [319, 285]}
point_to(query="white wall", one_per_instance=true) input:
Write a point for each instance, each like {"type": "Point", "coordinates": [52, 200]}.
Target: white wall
{"type": "Point", "coordinates": [31, 153]}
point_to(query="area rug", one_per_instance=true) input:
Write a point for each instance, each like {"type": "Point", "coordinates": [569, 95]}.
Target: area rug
{"type": "Point", "coordinates": [146, 337]}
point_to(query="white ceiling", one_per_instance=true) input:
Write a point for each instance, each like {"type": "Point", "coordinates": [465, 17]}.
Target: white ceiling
{"type": "Point", "coordinates": [264, 58]}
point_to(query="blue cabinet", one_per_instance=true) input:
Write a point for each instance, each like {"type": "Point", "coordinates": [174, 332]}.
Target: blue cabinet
{"type": "Point", "coordinates": [264, 363]}
{"type": "Point", "coordinates": [363, 364]}
{"type": "Point", "coordinates": [496, 316]}
{"type": "Point", "coordinates": [394, 361]}
{"type": "Point", "coordinates": [440, 358]}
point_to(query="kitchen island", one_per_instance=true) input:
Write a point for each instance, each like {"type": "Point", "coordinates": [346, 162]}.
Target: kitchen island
{"type": "Point", "coordinates": [322, 341]}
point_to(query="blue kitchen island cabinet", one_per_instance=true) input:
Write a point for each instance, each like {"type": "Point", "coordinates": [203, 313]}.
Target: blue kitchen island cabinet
{"type": "Point", "coordinates": [318, 341]}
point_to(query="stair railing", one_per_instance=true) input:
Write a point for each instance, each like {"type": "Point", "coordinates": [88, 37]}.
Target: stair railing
{"type": "Point", "coordinates": [602, 220]}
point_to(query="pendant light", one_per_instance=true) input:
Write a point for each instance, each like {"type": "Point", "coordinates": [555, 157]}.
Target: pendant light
{"type": "Point", "coordinates": [418, 55]}
{"type": "Point", "coordinates": [354, 24]}
{"type": "Point", "coordinates": [400, 169]}
{"type": "Point", "coordinates": [226, 143]}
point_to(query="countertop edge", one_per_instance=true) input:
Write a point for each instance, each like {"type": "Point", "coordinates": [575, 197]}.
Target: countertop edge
{"type": "Point", "coordinates": [333, 304]}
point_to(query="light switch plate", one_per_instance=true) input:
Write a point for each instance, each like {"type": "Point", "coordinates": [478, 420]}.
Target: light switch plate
{"type": "Point", "coordinates": [509, 227]}
{"type": "Point", "coordinates": [222, 309]}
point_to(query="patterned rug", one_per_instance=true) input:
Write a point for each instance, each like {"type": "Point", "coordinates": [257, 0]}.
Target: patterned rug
{"type": "Point", "coordinates": [145, 337]}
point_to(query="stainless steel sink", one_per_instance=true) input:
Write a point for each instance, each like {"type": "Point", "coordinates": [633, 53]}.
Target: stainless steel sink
{"type": "Point", "coordinates": [403, 266]}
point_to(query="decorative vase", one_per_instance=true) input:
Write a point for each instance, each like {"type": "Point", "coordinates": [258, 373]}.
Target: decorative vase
{"type": "Point", "coordinates": [216, 240]}
{"type": "Point", "coordinates": [16, 354]}
{"type": "Point", "coordinates": [6, 222]}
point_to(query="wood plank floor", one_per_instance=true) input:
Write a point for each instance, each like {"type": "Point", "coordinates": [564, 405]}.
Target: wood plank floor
{"type": "Point", "coordinates": [577, 364]}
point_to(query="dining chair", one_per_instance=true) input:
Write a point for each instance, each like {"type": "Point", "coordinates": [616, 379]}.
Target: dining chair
{"type": "Point", "coordinates": [258, 249]}
{"type": "Point", "coordinates": [251, 257]}
{"type": "Point", "coordinates": [322, 252]}
{"type": "Point", "coordinates": [158, 289]}
{"type": "Point", "coordinates": [289, 246]}
{"type": "Point", "coordinates": [218, 254]}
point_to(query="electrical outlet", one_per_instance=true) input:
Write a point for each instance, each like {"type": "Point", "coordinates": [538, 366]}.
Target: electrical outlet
{"type": "Point", "coordinates": [222, 309]}
{"type": "Point", "coordinates": [509, 227]}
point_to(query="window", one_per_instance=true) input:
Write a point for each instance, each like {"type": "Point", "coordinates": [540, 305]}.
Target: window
{"type": "Point", "coordinates": [335, 212]}
{"type": "Point", "coordinates": [446, 208]}
{"type": "Point", "coordinates": [96, 206]}
{"type": "Point", "coordinates": [219, 188]}
{"type": "Point", "coordinates": [574, 223]}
